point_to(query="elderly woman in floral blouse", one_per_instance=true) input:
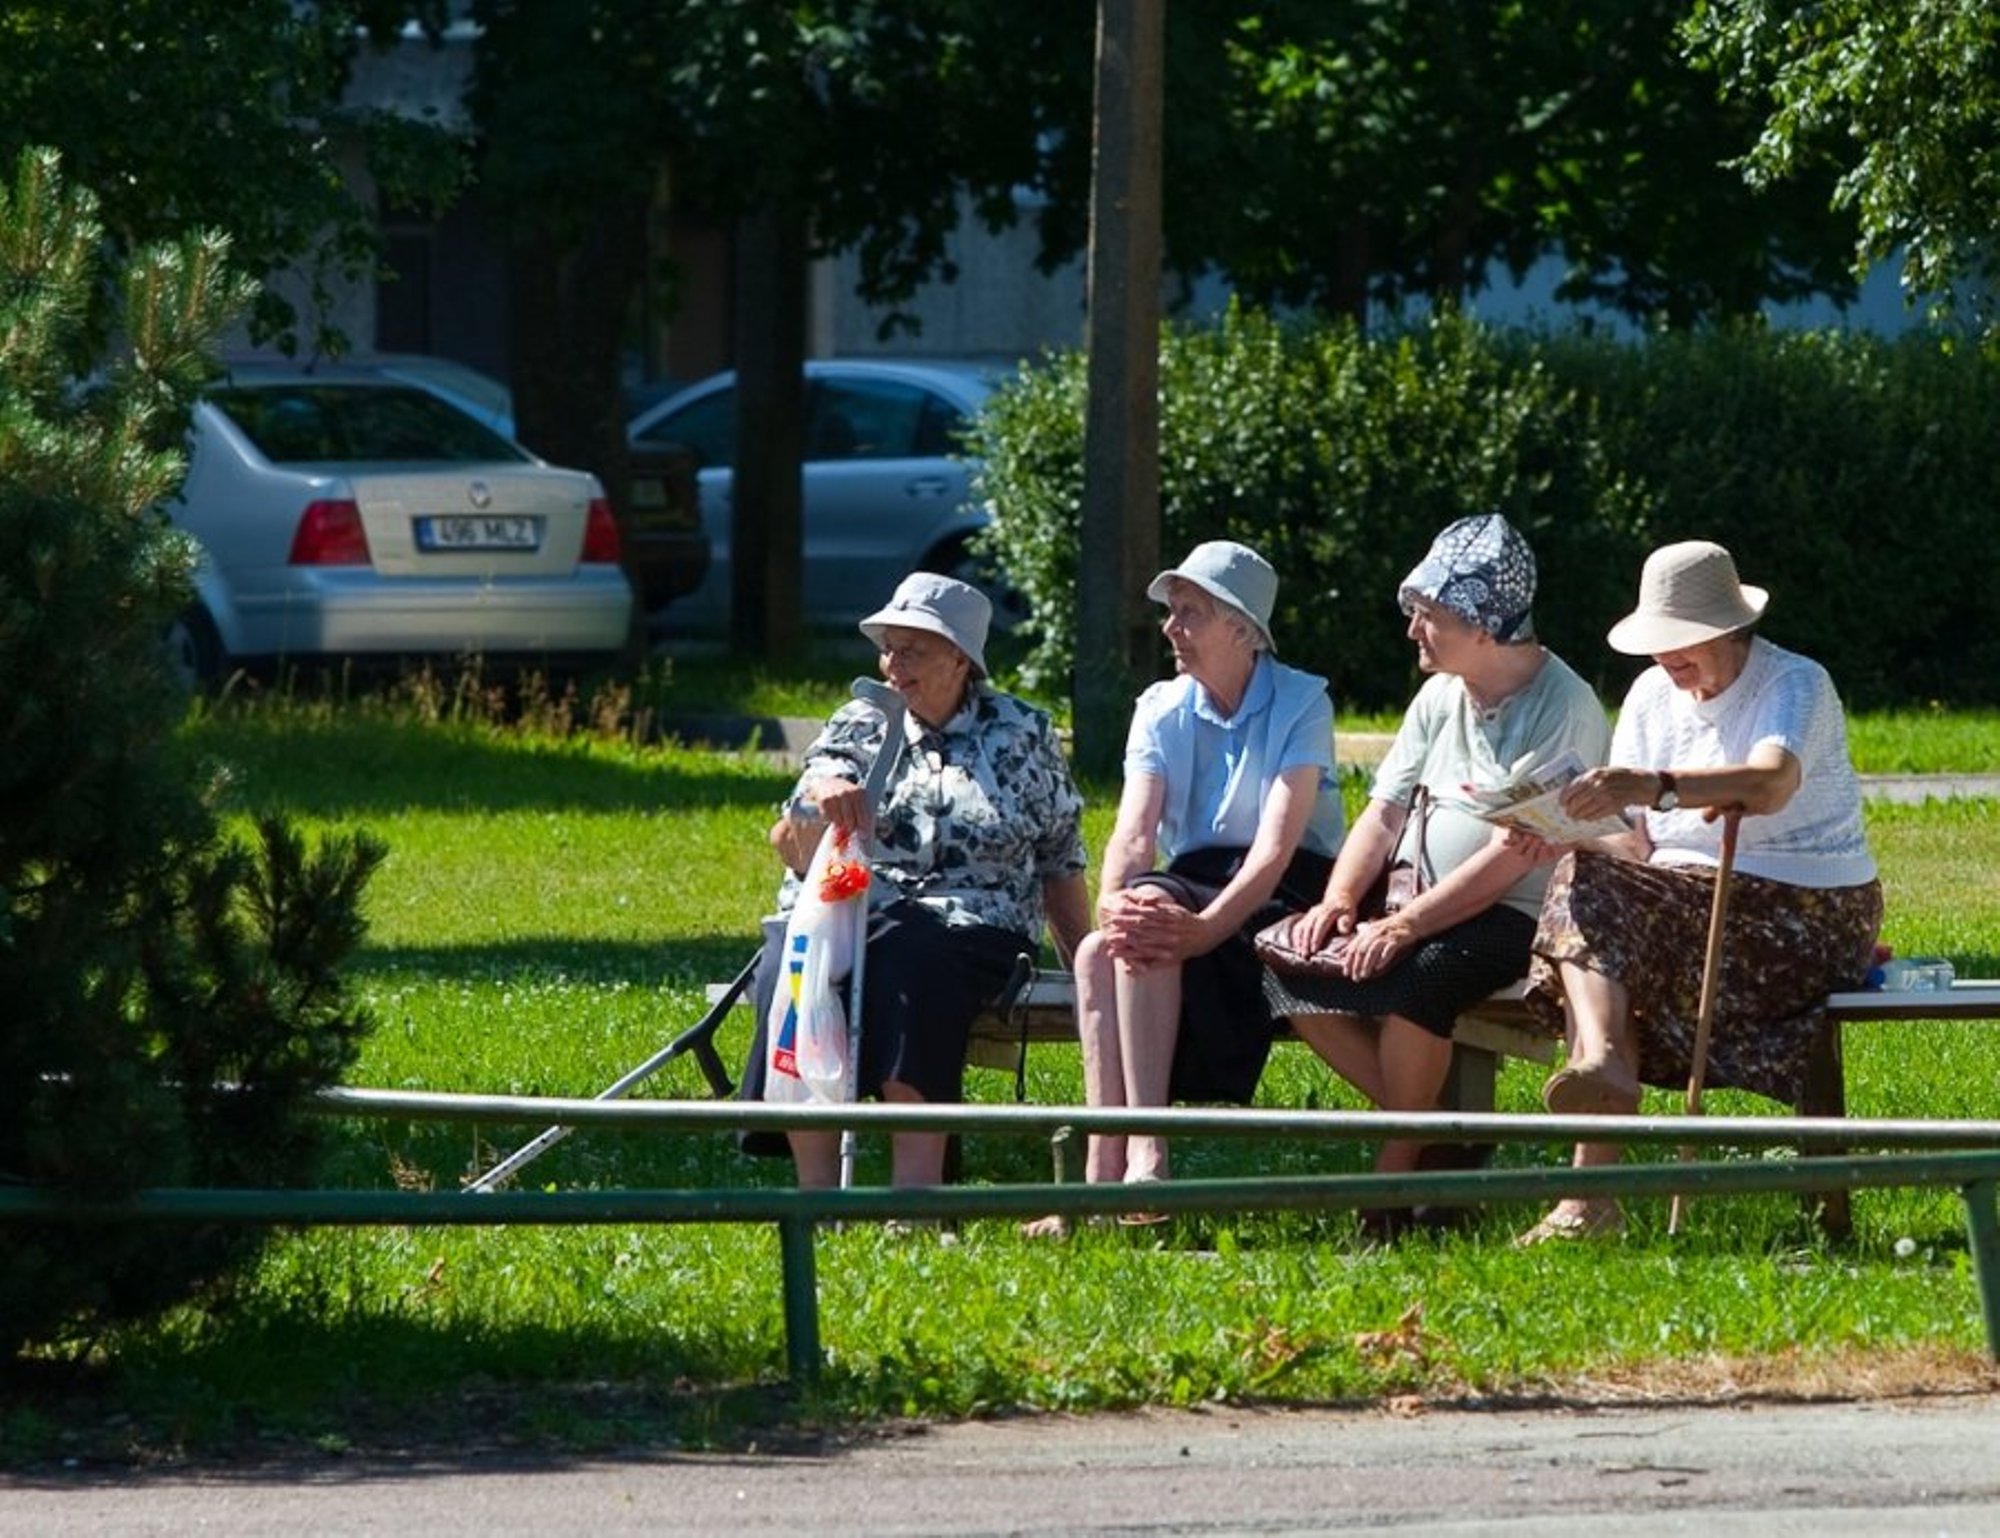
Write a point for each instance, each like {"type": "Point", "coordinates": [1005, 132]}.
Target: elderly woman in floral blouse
{"type": "Point", "coordinates": [977, 842]}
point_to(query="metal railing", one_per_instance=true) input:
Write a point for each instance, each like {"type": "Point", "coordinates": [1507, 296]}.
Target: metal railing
{"type": "Point", "coordinates": [1964, 1155]}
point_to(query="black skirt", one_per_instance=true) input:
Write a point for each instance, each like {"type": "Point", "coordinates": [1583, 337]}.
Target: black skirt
{"type": "Point", "coordinates": [926, 982]}
{"type": "Point", "coordinates": [1226, 1026]}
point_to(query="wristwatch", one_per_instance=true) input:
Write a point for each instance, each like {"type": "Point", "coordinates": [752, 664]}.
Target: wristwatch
{"type": "Point", "coordinates": [1669, 797]}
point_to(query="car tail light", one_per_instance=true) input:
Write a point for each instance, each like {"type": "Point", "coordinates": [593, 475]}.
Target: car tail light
{"type": "Point", "coordinates": [330, 534]}
{"type": "Point", "coordinates": [600, 534]}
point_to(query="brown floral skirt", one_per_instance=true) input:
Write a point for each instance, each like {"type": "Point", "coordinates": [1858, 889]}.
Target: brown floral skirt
{"type": "Point", "coordinates": [1784, 948]}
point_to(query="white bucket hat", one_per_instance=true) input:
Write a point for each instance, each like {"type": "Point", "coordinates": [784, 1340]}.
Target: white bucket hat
{"type": "Point", "coordinates": [942, 605]}
{"type": "Point", "coordinates": [1688, 593]}
{"type": "Point", "coordinates": [1229, 573]}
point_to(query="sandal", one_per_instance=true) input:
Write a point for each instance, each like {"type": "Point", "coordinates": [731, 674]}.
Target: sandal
{"type": "Point", "coordinates": [1598, 1221]}
{"type": "Point", "coordinates": [1591, 1088]}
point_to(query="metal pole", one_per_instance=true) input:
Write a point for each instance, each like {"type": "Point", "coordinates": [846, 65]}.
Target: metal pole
{"type": "Point", "coordinates": [795, 1249]}
{"type": "Point", "coordinates": [698, 1038]}
{"type": "Point", "coordinates": [1983, 1231]}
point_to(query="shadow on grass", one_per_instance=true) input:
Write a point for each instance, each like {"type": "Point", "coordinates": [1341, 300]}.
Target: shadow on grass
{"type": "Point", "coordinates": [260, 1395]}
{"type": "Point", "coordinates": [351, 766]}
{"type": "Point", "coordinates": [691, 963]}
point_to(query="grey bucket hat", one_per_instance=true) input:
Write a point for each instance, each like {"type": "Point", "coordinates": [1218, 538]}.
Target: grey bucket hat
{"type": "Point", "coordinates": [942, 605]}
{"type": "Point", "coordinates": [1229, 573]}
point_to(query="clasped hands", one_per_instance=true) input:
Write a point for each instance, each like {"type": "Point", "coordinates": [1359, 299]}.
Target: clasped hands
{"type": "Point", "coordinates": [1144, 927]}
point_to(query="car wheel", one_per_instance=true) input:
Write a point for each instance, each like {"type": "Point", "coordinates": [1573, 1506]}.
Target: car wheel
{"type": "Point", "coordinates": [1009, 607]}
{"type": "Point", "coordinates": [193, 650]}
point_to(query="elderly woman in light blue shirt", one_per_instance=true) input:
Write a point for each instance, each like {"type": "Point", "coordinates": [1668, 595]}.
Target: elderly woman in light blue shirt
{"type": "Point", "coordinates": [1229, 782]}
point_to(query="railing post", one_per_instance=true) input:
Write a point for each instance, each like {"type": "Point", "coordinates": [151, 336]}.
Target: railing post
{"type": "Point", "coordinates": [1984, 1231]}
{"type": "Point", "coordinates": [795, 1250]}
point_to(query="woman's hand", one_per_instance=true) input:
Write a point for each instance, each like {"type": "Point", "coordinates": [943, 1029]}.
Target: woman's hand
{"type": "Point", "coordinates": [1144, 927]}
{"type": "Point", "coordinates": [1377, 945]}
{"type": "Point", "coordinates": [841, 803]}
{"type": "Point", "coordinates": [1607, 791]}
{"type": "Point", "coordinates": [1325, 919]}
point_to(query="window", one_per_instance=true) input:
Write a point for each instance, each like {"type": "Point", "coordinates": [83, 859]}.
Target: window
{"type": "Point", "coordinates": [339, 423]}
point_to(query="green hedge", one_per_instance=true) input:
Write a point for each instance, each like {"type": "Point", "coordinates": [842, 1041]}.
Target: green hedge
{"type": "Point", "coordinates": [1851, 476]}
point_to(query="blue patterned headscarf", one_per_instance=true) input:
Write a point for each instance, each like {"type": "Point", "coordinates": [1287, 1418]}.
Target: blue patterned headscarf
{"type": "Point", "coordinates": [1482, 570]}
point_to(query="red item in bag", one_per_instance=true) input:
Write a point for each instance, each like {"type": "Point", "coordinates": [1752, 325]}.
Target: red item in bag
{"type": "Point", "coordinates": [842, 878]}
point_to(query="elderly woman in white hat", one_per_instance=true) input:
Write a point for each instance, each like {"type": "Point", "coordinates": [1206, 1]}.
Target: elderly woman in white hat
{"type": "Point", "coordinates": [1723, 719]}
{"type": "Point", "coordinates": [977, 843]}
{"type": "Point", "coordinates": [1496, 708]}
{"type": "Point", "coordinates": [1229, 781]}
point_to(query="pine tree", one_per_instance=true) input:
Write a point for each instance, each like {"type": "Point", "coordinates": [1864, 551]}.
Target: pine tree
{"type": "Point", "coordinates": [169, 997]}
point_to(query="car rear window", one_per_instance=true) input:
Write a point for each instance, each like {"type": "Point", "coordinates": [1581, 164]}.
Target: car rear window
{"type": "Point", "coordinates": [352, 423]}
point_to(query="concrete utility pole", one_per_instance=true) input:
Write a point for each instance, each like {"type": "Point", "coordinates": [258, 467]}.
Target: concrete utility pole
{"type": "Point", "coordinates": [1120, 548]}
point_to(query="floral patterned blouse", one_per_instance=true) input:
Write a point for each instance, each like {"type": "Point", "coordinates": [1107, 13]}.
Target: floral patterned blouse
{"type": "Point", "coordinates": [979, 814]}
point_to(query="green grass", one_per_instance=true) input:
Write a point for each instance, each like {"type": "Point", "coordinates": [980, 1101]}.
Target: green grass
{"type": "Point", "coordinates": [548, 914]}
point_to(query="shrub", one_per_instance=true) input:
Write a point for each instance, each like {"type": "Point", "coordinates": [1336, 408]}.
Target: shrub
{"type": "Point", "coordinates": [1339, 458]}
{"type": "Point", "coordinates": [1854, 477]}
{"type": "Point", "coordinates": [171, 997]}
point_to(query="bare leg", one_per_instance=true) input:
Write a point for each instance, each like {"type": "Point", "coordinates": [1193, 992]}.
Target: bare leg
{"type": "Point", "coordinates": [1103, 1052]}
{"type": "Point", "coordinates": [817, 1158]}
{"type": "Point", "coordinates": [1348, 1044]}
{"type": "Point", "coordinates": [1149, 1026]}
{"type": "Point", "coordinates": [1597, 1012]}
{"type": "Point", "coordinates": [915, 1158]}
{"type": "Point", "coordinates": [1414, 1064]}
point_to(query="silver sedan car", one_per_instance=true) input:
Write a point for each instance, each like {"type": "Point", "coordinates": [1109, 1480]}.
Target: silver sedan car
{"type": "Point", "coordinates": [887, 491]}
{"type": "Point", "coordinates": [344, 515]}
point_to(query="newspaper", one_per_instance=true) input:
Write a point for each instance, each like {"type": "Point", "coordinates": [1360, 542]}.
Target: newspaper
{"type": "Point", "coordinates": [1530, 802]}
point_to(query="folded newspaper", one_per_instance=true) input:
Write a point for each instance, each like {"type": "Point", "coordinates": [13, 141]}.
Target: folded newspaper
{"type": "Point", "coordinates": [1531, 802]}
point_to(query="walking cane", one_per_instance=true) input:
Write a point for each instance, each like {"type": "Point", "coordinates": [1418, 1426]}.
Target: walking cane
{"type": "Point", "coordinates": [1711, 974]}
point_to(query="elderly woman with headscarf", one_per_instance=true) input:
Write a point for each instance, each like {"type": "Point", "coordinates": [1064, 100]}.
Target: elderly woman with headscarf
{"type": "Point", "coordinates": [1722, 720]}
{"type": "Point", "coordinates": [977, 842]}
{"type": "Point", "coordinates": [1497, 707]}
{"type": "Point", "coordinates": [1229, 777]}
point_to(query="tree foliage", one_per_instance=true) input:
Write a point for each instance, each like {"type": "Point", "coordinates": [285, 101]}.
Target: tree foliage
{"type": "Point", "coordinates": [1902, 95]}
{"type": "Point", "coordinates": [172, 995]}
{"type": "Point", "coordinates": [224, 115]}
{"type": "Point", "coordinates": [1380, 150]}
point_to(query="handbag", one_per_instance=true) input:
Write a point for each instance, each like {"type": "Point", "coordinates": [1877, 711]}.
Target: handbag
{"type": "Point", "coordinates": [1399, 884]}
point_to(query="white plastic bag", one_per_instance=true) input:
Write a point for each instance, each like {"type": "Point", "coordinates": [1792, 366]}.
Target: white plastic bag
{"type": "Point", "coordinates": [807, 1042]}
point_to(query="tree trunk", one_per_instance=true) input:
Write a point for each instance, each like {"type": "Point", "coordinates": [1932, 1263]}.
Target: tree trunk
{"type": "Point", "coordinates": [766, 564]}
{"type": "Point", "coordinates": [566, 322]}
{"type": "Point", "coordinates": [1120, 547]}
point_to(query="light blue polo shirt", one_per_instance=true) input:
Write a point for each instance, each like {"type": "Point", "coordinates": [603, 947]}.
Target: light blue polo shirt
{"type": "Point", "coordinates": [1217, 769]}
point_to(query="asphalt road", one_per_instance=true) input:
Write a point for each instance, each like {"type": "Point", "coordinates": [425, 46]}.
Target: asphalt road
{"type": "Point", "coordinates": [1929, 1467]}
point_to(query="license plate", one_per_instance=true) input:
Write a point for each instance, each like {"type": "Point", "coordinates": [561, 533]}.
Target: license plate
{"type": "Point", "coordinates": [480, 531]}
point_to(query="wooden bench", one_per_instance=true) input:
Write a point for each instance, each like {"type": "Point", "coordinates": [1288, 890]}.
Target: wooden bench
{"type": "Point", "coordinates": [1042, 1008]}
{"type": "Point", "coordinates": [1824, 1092]}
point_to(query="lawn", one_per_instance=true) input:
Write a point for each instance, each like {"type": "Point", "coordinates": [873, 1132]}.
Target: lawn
{"type": "Point", "coordinates": [549, 913]}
